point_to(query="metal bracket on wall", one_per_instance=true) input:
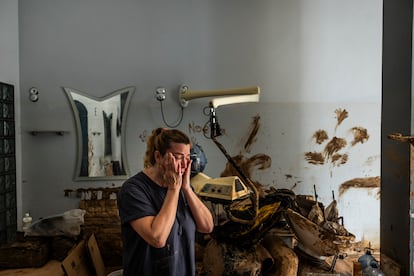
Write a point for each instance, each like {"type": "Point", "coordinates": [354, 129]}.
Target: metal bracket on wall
{"type": "Point", "coordinates": [57, 132]}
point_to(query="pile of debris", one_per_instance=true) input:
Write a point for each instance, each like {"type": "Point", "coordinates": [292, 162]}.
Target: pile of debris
{"type": "Point", "coordinates": [285, 229]}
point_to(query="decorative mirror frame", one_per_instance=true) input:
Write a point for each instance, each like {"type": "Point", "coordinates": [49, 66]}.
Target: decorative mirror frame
{"type": "Point", "coordinates": [126, 95]}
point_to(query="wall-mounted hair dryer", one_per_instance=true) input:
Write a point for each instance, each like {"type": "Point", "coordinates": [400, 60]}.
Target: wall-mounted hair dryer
{"type": "Point", "coordinates": [226, 96]}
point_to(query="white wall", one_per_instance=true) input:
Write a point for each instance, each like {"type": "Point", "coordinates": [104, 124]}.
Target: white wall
{"type": "Point", "coordinates": [310, 58]}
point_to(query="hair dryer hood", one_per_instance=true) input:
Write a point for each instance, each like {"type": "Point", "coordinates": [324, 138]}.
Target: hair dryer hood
{"type": "Point", "coordinates": [225, 97]}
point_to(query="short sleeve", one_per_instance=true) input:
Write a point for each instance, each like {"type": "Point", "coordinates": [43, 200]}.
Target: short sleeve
{"type": "Point", "coordinates": [135, 201]}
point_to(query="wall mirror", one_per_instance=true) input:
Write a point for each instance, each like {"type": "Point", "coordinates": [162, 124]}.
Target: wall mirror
{"type": "Point", "coordinates": [100, 128]}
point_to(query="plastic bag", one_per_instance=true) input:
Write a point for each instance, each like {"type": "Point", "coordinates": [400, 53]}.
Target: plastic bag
{"type": "Point", "coordinates": [66, 224]}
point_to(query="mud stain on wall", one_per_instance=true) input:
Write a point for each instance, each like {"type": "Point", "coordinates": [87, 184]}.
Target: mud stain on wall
{"type": "Point", "coordinates": [358, 183]}
{"type": "Point", "coordinates": [258, 161]}
{"type": "Point", "coordinates": [253, 133]}
{"type": "Point", "coordinates": [341, 115]}
{"type": "Point", "coordinates": [320, 136]}
{"type": "Point", "coordinates": [331, 152]}
{"type": "Point", "coordinates": [339, 159]}
{"type": "Point", "coordinates": [333, 146]}
{"type": "Point", "coordinates": [315, 158]}
{"type": "Point", "coordinates": [360, 135]}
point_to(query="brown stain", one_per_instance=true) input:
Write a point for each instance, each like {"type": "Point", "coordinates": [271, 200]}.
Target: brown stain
{"type": "Point", "coordinates": [341, 115]}
{"type": "Point", "coordinates": [258, 161]}
{"type": "Point", "coordinates": [331, 151]}
{"type": "Point", "coordinates": [360, 135]}
{"type": "Point", "coordinates": [335, 145]}
{"type": "Point", "coordinates": [358, 183]}
{"type": "Point", "coordinates": [339, 159]}
{"type": "Point", "coordinates": [247, 165]}
{"type": "Point", "coordinates": [253, 133]}
{"type": "Point", "coordinates": [320, 136]}
{"type": "Point", "coordinates": [315, 158]}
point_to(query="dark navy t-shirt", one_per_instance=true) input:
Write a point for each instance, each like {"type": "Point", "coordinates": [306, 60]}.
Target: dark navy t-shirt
{"type": "Point", "coordinates": [138, 197]}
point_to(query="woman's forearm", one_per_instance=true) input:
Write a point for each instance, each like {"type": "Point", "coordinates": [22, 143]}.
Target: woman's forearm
{"type": "Point", "coordinates": [202, 215]}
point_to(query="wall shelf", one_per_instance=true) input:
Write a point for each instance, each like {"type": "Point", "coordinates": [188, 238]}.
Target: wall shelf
{"type": "Point", "coordinates": [48, 132]}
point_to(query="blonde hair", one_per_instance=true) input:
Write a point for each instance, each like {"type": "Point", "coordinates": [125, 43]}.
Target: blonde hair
{"type": "Point", "coordinates": [161, 139]}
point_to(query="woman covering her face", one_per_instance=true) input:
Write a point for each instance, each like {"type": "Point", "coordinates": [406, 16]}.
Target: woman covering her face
{"type": "Point", "coordinates": [160, 213]}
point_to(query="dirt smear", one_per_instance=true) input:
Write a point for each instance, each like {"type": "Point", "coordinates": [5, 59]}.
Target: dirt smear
{"type": "Point", "coordinates": [358, 183]}
{"type": "Point", "coordinates": [339, 159]}
{"type": "Point", "coordinates": [315, 158]}
{"type": "Point", "coordinates": [360, 135]}
{"type": "Point", "coordinates": [320, 136]}
{"type": "Point", "coordinates": [331, 152]}
{"type": "Point", "coordinates": [341, 115]}
{"type": "Point", "coordinates": [258, 161]}
{"type": "Point", "coordinates": [333, 146]}
{"type": "Point", "coordinates": [253, 133]}
{"type": "Point", "coordinates": [247, 165]}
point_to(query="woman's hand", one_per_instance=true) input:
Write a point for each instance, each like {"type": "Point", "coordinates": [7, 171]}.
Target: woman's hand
{"type": "Point", "coordinates": [186, 176]}
{"type": "Point", "coordinates": [171, 172]}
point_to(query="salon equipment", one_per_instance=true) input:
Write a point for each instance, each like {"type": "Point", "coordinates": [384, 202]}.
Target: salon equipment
{"type": "Point", "coordinates": [225, 97]}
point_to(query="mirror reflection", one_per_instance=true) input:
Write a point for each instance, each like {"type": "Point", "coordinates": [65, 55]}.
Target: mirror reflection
{"type": "Point", "coordinates": [100, 124]}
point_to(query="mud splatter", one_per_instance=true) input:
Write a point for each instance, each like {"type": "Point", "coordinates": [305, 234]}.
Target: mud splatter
{"type": "Point", "coordinates": [331, 153]}
{"type": "Point", "coordinates": [315, 158]}
{"type": "Point", "coordinates": [341, 115]}
{"type": "Point", "coordinates": [258, 161]}
{"type": "Point", "coordinates": [335, 145]}
{"type": "Point", "coordinates": [360, 135]}
{"type": "Point", "coordinates": [367, 182]}
{"type": "Point", "coordinates": [320, 136]}
{"type": "Point", "coordinates": [253, 133]}
{"type": "Point", "coordinates": [339, 159]}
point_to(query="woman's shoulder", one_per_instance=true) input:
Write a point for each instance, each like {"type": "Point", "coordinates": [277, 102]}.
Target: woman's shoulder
{"type": "Point", "coordinates": [138, 178]}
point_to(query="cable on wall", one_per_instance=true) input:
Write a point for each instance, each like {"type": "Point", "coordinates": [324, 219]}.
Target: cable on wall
{"type": "Point", "coordinates": [160, 96]}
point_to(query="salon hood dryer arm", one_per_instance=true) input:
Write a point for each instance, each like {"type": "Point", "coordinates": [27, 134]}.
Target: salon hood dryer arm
{"type": "Point", "coordinates": [226, 97]}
